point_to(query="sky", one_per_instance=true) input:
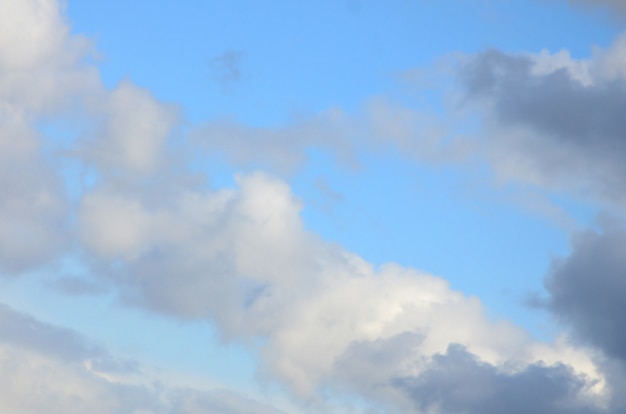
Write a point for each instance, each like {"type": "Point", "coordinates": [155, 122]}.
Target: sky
{"type": "Point", "coordinates": [409, 206]}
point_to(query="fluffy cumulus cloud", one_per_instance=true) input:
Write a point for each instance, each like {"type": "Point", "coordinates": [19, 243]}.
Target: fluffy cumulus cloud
{"type": "Point", "coordinates": [132, 135]}
{"type": "Point", "coordinates": [380, 124]}
{"type": "Point", "coordinates": [242, 258]}
{"type": "Point", "coordinates": [41, 69]}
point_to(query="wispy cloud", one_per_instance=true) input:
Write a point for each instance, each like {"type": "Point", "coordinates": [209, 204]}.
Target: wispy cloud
{"type": "Point", "coordinates": [227, 68]}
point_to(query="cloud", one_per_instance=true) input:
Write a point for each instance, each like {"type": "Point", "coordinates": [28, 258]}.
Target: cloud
{"type": "Point", "coordinates": [42, 73]}
{"type": "Point", "coordinates": [161, 238]}
{"type": "Point", "coordinates": [32, 203]}
{"type": "Point", "coordinates": [378, 126]}
{"type": "Point", "coordinates": [587, 290]}
{"type": "Point", "coordinates": [242, 258]}
{"type": "Point", "coordinates": [55, 370]}
{"type": "Point", "coordinates": [46, 368]}
{"type": "Point", "coordinates": [281, 149]}
{"type": "Point", "coordinates": [458, 382]}
{"type": "Point", "coordinates": [551, 121]}
{"type": "Point", "coordinates": [132, 136]}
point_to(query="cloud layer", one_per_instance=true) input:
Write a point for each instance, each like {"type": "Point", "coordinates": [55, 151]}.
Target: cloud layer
{"type": "Point", "coordinates": [162, 239]}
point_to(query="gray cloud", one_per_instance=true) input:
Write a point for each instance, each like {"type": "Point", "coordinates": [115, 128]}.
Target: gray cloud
{"type": "Point", "coordinates": [240, 257]}
{"type": "Point", "coordinates": [281, 149]}
{"type": "Point", "coordinates": [44, 369]}
{"type": "Point", "coordinates": [41, 75]}
{"type": "Point", "coordinates": [588, 290]}
{"type": "Point", "coordinates": [32, 204]}
{"type": "Point", "coordinates": [459, 383]}
{"type": "Point", "coordinates": [370, 368]}
{"type": "Point", "coordinates": [552, 127]}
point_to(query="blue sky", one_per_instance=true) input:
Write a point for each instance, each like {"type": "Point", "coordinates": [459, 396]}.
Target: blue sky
{"type": "Point", "coordinates": [322, 207]}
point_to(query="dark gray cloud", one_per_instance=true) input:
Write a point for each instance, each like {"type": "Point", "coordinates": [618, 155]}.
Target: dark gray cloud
{"type": "Point", "coordinates": [587, 293]}
{"type": "Point", "coordinates": [588, 290]}
{"type": "Point", "coordinates": [458, 383]}
{"type": "Point", "coordinates": [550, 128]}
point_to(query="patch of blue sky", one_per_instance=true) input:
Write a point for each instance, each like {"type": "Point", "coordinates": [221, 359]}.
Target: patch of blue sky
{"type": "Point", "coordinates": [308, 56]}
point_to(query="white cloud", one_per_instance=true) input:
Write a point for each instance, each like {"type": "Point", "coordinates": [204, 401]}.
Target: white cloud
{"type": "Point", "coordinates": [243, 259]}
{"type": "Point", "coordinates": [41, 67]}
{"type": "Point", "coordinates": [47, 31]}
{"type": "Point", "coordinates": [133, 135]}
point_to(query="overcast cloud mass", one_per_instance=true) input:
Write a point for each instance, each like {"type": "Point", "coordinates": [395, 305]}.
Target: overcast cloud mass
{"type": "Point", "coordinates": [125, 195]}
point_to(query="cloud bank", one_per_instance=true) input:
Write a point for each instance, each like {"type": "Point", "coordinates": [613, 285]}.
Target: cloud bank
{"type": "Point", "coordinates": [160, 237]}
